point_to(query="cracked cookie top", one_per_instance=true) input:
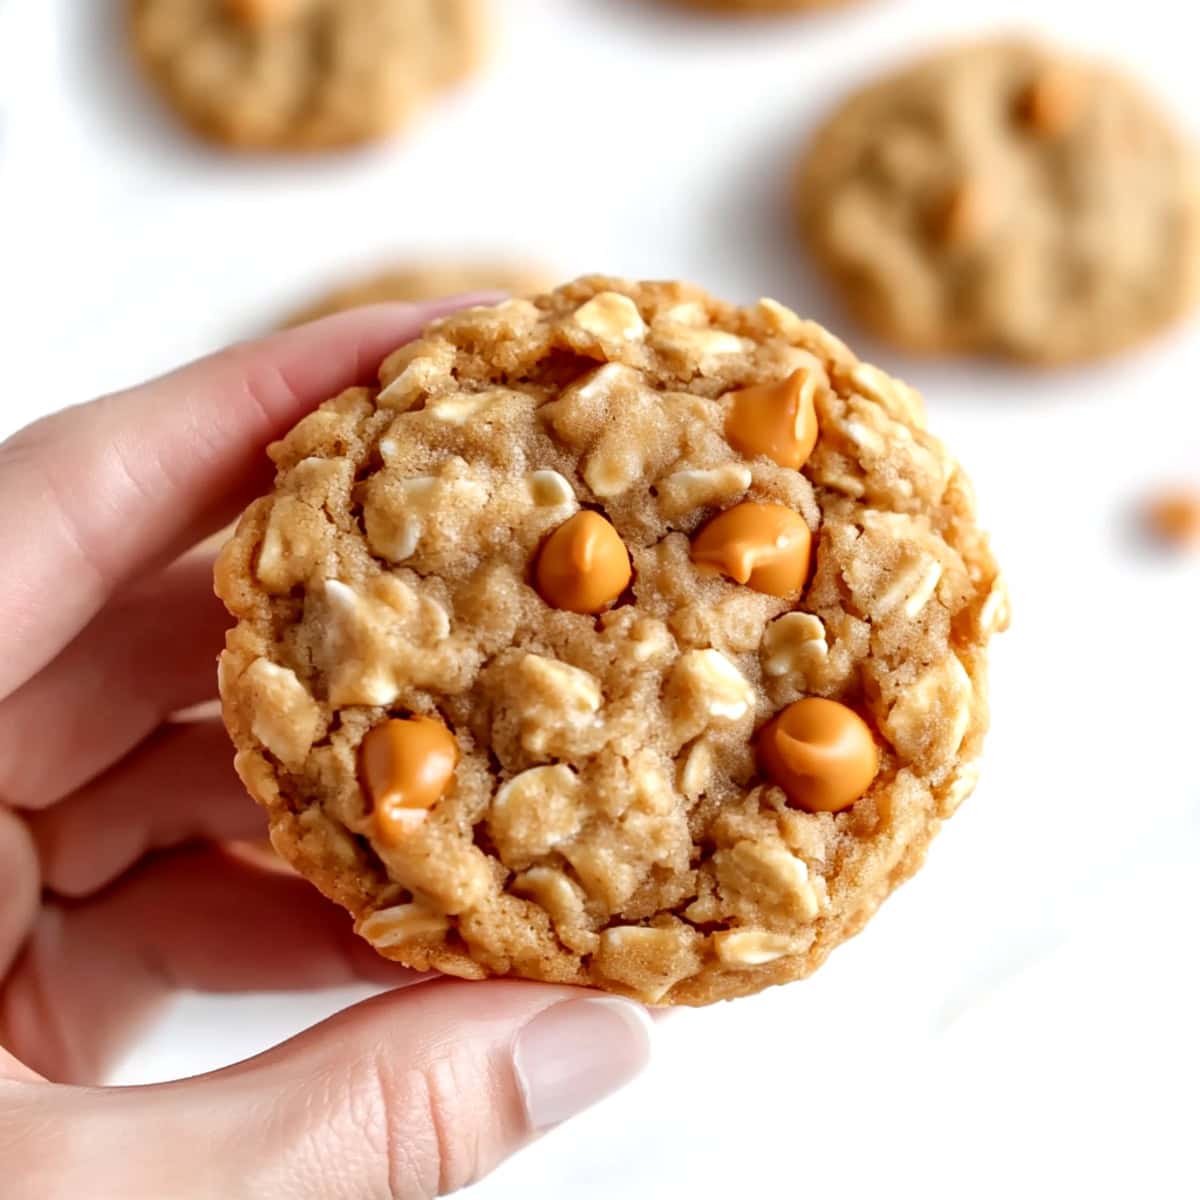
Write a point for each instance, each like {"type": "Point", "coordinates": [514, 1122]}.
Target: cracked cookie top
{"type": "Point", "coordinates": [619, 637]}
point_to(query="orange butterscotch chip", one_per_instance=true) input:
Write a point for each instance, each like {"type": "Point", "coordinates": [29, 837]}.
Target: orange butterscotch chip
{"type": "Point", "coordinates": [778, 420]}
{"type": "Point", "coordinates": [1174, 517]}
{"type": "Point", "coordinates": [584, 566]}
{"type": "Point", "coordinates": [1051, 103]}
{"type": "Point", "coordinates": [407, 765]}
{"type": "Point", "coordinates": [765, 546]}
{"type": "Point", "coordinates": [820, 753]}
{"type": "Point", "coordinates": [259, 12]}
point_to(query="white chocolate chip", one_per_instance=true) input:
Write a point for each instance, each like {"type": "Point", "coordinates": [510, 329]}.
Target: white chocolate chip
{"type": "Point", "coordinates": [697, 770]}
{"type": "Point", "coordinates": [863, 436]}
{"type": "Point", "coordinates": [650, 638]}
{"type": "Point", "coordinates": [390, 927]}
{"type": "Point", "coordinates": [765, 877]}
{"type": "Point", "coordinates": [613, 469]}
{"type": "Point", "coordinates": [693, 488]}
{"type": "Point", "coordinates": [706, 680]}
{"type": "Point", "coordinates": [459, 409]}
{"type": "Point", "coordinates": [751, 947]}
{"type": "Point", "coordinates": [563, 901]}
{"type": "Point", "coordinates": [359, 677]}
{"type": "Point", "coordinates": [893, 395]}
{"type": "Point", "coordinates": [691, 312]}
{"type": "Point", "coordinates": [792, 643]}
{"type": "Point", "coordinates": [549, 489]}
{"type": "Point", "coordinates": [534, 812]}
{"type": "Point", "coordinates": [932, 714]}
{"type": "Point", "coordinates": [995, 614]}
{"type": "Point", "coordinates": [376, 641]}
{"type": "Point", "coordinates": [649, 961]}
{"type": "Point", "coordinates": [574, 688]}
{"type": "Point", "coordinates": [706, 347]}
{"type": "Point", "coordinates": [394, 530]}
{"type": "Point", "coordinates": [286, 717]}
{"type": "Point", "coordinates": [779, 318]}
{"type": "Point", "coordinates": [605, 380]}
{"type": "Point", "coordinates": [611, 317]}
{"type": "Point", "coordinates": [418, 376]}
{"type": "Point", "coordinates": [961, 786]}
{"type": "Point", "coordinates": [912, 587]}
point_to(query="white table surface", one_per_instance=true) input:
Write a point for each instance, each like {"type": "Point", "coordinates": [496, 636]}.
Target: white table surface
{"type": "Point", "coordinates": [1018, 1020]}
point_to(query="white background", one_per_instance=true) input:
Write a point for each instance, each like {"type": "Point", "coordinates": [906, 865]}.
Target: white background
{"type": "Point", "coordinates": [1021, 1019]}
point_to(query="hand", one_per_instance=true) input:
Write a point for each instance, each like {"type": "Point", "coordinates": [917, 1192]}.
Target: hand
{"type": "Point", "coordinates": [114, 887]}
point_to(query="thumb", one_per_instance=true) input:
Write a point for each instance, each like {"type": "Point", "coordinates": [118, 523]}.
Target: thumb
{"type": "Point", "coordinates": [412, 1094]}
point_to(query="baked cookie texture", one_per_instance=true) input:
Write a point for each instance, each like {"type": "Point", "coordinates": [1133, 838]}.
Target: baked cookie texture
{"type": "Point", "coordinates": [1007, 198]}
{"type": "Point", "coordinates": [303, 74]}
{"type": "Point", "coordinates": [494, 784]}
{"type": "Point", "coordinates": [429, 281]}
{"type": "Point", "coordinates": [760, 6]}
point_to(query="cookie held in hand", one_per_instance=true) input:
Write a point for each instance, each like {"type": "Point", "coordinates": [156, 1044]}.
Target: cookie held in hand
{"type": "Point", "coordinates": [619, 637]}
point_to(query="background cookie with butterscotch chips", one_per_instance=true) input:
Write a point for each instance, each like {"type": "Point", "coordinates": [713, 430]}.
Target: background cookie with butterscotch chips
{"type": "Point", "coordinates": [303, 74]}
{"type": "Point", "coordinates": [425, 281]}
{"type": "Point", "coordinates": [1008, 198]}
{"type": "Point", "coordinates": [620, 637]}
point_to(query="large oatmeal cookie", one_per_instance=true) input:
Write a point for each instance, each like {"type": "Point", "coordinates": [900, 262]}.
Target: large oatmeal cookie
{"type": "Point", "coordinates": [1006, 198]}
{"type": "Point", "coordinates": [620, 637]}
{"type": "Point", "coordinates": [303, 74]}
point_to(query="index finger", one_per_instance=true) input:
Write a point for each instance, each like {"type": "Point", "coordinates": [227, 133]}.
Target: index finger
{"type": "Point", "coordinates": [92, 495]}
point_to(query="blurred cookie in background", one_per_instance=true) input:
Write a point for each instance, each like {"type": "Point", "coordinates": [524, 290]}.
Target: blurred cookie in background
{"type": "Point", "coordinates": [1006, 198]}
{"type": "Point", "coordinates": [303, 74]}
{"type": "Point", "coordinates": [760, 6]}
{"type": "Point", "coordinates": [429, 281]}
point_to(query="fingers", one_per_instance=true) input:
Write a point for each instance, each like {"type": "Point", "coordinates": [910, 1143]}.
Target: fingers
{"type": "Point", "coordinates": [150, 653]}
{"type": "Point", "coordinates": [97, 493]}
{"type": "Point", "coordinates": [20, 887]}
{"type": "Point", "coordinates": [414, 1094]}
{"type": "Point", "coordinates": [179, 787]}
{"type": "Point", "coordinates": [93, 973]}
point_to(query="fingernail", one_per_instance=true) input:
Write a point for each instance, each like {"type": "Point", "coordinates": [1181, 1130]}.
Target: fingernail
{"type": "Point", "coordinates": [577, 1052]}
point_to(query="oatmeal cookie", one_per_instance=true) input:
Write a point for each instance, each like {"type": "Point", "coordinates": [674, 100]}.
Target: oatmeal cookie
{"type": "Point", "coordinates": [423, 282]}
{"type": "Point", "coordinates": [760, 6]}
{"type": "Point", "coordinates": [1006, 198]}
{"type": "Point", "coordinates": [619, 637]}
{"type": "Point", "coordinates": [303, 74]}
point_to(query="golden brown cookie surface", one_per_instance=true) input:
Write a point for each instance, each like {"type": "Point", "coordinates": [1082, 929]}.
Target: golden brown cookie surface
{"type": "Point", "coordinates": [430, 281]}
{"type": "Point", "coordinates": [503, 697]}
{"type": "Point", "coordinates": [1006, 198]}
{"type": "Point", "coordinates": [760, 6]}
{"type": "Point", "coordinates": [303, 74]}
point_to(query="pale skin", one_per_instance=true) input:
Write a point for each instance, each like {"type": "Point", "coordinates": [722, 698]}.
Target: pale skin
{"type": "Point", "coordinates": [115, 887]}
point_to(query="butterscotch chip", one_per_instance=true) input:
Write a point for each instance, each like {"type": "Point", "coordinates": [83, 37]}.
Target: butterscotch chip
{"type": "Point", "coordinates": [1005, 198]}
{"type": "Point", "coordinates": [584, 566]}
{"type": "Point", "coordinates": [303, 74]}
{"type": "Point", "coordinates": [407, 765]}
{"type": "Point", "coordinates": [765, 546]}
{"type": "Point", "coordinates": [1173, 517]}
{"type": "Point", "coordinates": [598, 808]}
{"type": "Point", "coordinates": [429, 281]}
{"type": "Point", "coordinates": [778, 420]}
{"type": "Point", "coordinates": [821, 753]}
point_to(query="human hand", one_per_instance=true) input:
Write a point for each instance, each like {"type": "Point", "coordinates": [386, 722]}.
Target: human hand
{"type": "Point", "coordinates": [115, 892]}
